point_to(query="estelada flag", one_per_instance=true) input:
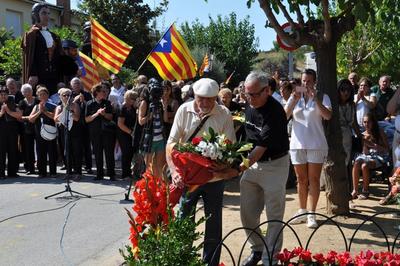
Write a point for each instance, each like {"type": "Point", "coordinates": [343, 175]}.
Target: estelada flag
{"type": "Point", "coordinates": [107, 49]}
{"type": "Point", "coordinates": [89, 74]}
{"type": "Point", "coordinates": [171, 57]}
{"type": "Point", "coordinates": [205, 66]}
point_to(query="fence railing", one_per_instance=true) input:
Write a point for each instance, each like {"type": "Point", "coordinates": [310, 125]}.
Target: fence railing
{"type": "Point", "coordinates": [324, 221]}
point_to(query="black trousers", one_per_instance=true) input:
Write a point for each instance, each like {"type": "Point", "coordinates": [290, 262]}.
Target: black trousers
{"type": "Point", "coordinates": [29, 151]}
{"type": "Point", "coordinates": [212, 194]}
{"type": "Point", "coordinates": [125, 142]}
{"type": "Point", "coordinates": [104, 142]}
{"type": "Point", "coordinates": [44, 149]}
{"type": "Point", "coordinates": [9, 150]}
{"type": "Point", "coordinates": [87, 147]}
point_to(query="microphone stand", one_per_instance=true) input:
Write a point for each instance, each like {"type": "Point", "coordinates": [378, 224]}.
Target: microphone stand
{"type": "Point", "coordinates": [66, 154]}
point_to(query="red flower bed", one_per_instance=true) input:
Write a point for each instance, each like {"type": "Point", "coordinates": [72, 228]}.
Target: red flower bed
{"type": "Point", "coordinates": [300, 256]}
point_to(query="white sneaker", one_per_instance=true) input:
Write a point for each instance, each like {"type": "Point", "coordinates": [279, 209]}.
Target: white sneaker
{"type": "Point", "coordinates": [311, 222]}
{"type": "Point", "coordinates": [299, 219]}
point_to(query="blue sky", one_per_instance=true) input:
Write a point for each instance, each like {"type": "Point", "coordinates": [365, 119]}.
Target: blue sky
{"type": "Point", "coordinates": [188, 10]}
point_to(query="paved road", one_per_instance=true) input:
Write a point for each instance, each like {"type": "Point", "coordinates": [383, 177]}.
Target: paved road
{"type": "Point", "coordinates": [73, 231]}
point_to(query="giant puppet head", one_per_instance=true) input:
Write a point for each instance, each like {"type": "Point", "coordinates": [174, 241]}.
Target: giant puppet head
{"type": "Point", "coordinates": [40, 14]}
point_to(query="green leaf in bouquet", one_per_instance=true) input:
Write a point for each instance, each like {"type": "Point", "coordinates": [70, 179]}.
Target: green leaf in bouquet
{"type": "Point", "coordinates": [245, 147]}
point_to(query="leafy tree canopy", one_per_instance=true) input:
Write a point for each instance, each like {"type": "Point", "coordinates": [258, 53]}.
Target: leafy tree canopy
{"type": "Point", "coordinates": [371, 49]}
{"type": "Point", "coordinates": [232, 41]}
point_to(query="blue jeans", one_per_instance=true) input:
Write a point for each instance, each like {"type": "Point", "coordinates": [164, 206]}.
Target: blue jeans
{"type": "Point", "coordinates": [212, 194]}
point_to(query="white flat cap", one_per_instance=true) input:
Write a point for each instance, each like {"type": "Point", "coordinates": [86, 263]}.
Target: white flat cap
{"type": "Point", "coordinates": [206, 87]}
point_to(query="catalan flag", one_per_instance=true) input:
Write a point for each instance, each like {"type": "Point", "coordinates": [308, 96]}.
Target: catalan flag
{"type": "Point", "coordinates": [205, 66]}
{"type": "Point", "coordinates": [171, 57]}
{"type": "Point", "coordinates": [229, 78]}
{"type": "Point", "coordinates": [89, 76]}
{"type": "Point", "coordinates": [107, 49]}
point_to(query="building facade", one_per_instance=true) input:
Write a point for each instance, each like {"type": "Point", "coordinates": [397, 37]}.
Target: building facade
{"type": "Point", "coordinates": [15, 15]}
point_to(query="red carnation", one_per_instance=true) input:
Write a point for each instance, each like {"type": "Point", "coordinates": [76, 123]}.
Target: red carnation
{"type": "Point", "coordinates": [196, 140]}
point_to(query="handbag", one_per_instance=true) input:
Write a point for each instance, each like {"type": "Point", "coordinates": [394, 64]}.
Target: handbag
{"type": "Point", "coordinates": [48, 132]}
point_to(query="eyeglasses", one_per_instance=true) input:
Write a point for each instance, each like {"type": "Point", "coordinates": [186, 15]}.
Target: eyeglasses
{"type": "Point", "coordinates": [254, 94]}
{"type": "Point", "coordinates": [65, 95]}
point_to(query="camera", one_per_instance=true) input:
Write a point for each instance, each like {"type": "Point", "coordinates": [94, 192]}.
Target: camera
{"type": "Point", "coordinates": [155, 90]}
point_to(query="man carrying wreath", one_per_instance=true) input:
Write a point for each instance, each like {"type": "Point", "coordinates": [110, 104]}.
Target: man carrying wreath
{"type": "Point", "coordinates": [190, 118]}
{"type": "Point", "coordinates": [263, 184]}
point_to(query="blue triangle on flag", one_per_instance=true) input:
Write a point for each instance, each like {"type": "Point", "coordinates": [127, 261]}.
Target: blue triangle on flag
{"type": "Point", "coordinates": [164, 45]}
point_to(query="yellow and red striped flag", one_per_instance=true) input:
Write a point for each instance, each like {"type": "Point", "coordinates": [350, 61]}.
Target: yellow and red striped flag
{"type": "Point", "coordinates": [89, 76]}
{"type": "Point", "coordinates": [171, 57]}
{"type": "Point", "coordinates": [205, 66]}
{"type": "Point", "coordinates": [107, 49]}
{"type": "Point", "coordinates": [229, 78]}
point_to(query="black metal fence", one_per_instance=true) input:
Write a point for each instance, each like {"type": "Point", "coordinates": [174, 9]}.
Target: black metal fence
{"type": "Point", "coordinates": [389, 243]}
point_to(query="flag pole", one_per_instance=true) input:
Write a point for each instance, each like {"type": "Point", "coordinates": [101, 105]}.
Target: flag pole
{"type": "Point", "coordinates": [147, 57]}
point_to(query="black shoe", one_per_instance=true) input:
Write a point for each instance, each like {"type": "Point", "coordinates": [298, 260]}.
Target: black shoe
{"type": "Point", "coordinates": [30, 172]}
{"type": "Point", "coordinates": [98, 178]}
{"type": "Point", "coordinates": [63, 168]}
{"type": "Point", "coordinates": [253, 259]}
{"type": "Point", "coordinates": [89, 171]}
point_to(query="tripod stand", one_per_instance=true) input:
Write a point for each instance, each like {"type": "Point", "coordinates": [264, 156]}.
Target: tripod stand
{"type": "Point", "coordinates": [138, 170]}
{"type": "Point", "coordinates": [67, 154]}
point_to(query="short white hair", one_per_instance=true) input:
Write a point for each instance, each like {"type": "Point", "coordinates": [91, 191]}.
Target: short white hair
{"type": "Point", "coordinates": [26, 87]}
{"type": "Point", "coordinates": [259, 76]}
{"type": "Point", "coordinates": [74, 80]}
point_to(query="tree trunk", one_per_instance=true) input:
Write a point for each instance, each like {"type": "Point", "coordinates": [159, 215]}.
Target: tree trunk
{"type": "Point", "coordinates": [335, 170]}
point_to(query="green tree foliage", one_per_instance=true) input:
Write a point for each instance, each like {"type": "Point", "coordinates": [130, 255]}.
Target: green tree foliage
{"type": "Point", "coordinates": [129, 20]}
{"type": "Point", "coordinates": [232, 41]}
{"type": "Point", "coordinates": [67, 33]}
{"type": "Point", "coordinates": [217, 72]}
{"type": "Point", "coordinates": [371, 49]}
{"type": "Point", "coordinates": [4, 35]}
{"type": "Point", "coordinates": [11, 59]}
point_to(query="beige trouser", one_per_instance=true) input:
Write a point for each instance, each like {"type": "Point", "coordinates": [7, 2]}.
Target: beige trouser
{"type": "Point", "coordinates": [264, 186]}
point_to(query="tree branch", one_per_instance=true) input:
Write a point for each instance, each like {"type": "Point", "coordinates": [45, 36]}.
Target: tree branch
{"type": "Point", "coordinates": [300, 18]}
{"type": "Point", "coordinates": [264, 4]}
{"type": "Point", "coordinates": [287, 15]}
{"type": "Point", "coordinates": [327, 21]}
{"type": "Point", "coordinates": [371, 52]}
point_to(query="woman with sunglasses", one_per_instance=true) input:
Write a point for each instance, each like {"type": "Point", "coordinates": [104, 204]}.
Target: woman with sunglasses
{"type": "Point", "coordinates": [43, 113]}
{"type": "Point", "coordinates": [308, 145]}
{"type": "Point", "coordinates": [98, 115]}
{"type": "Point", "coordinates": [66, 114]}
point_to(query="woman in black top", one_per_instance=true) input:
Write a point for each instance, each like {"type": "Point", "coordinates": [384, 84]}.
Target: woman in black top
{"type": "Point", "coordinates": [170, 106]}
{"type": "Point", "coordinates": [126, 128]}
{"type": "Point", "coordinates": [66, 113]}
{"type": "Point", "coordinates": [98, 115]}
{"type": "Point", "coordinates": [9, 114]}
{"type": "Point", "coordinates": [43, 113]}
{"type": "Point", "coordinates": [26, 105]}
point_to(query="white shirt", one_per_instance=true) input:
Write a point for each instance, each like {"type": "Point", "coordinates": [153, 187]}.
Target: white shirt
{"type": "Point", "coordinates": [362, 109]}
{"type": "Point", "coordinates": [47, 36]}
{"type": "Point", "coordinates": [307, 129]}
{"type": "Point", "coordinates": [186, 121]}
{"type": "Point", "coordinates": [116, 96]}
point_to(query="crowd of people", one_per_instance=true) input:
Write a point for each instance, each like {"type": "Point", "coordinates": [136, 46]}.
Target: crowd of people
{"type": "Point", "coordinates": [284, 119]}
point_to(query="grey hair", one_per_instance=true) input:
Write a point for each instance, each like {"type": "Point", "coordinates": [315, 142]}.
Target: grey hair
{"type": "Point", "coordinates": [259, 76]}
{"type": "Point", "coordinates": [26, 87]}
{"type": "Point", "coordinates": [74, 80]}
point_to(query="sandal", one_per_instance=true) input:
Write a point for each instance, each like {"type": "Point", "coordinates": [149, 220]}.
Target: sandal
{"type": "Point", "coordinates": [389, 199]}
{"type": "Point", "coordinates": [354, 195]}
{"type": "Point", "coordinates": [364, 195]}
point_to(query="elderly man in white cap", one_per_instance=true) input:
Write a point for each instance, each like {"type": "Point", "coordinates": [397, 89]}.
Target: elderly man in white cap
{"type": "Point", "coordinates": [191, 120]}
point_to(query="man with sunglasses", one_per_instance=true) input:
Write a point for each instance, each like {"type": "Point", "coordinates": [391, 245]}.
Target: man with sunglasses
{"type": "Point", "coordinates": [263, 185]}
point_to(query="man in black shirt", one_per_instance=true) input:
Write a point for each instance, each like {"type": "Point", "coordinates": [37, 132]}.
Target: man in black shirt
{"type": "Point", "coordinates": [263, 184]}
